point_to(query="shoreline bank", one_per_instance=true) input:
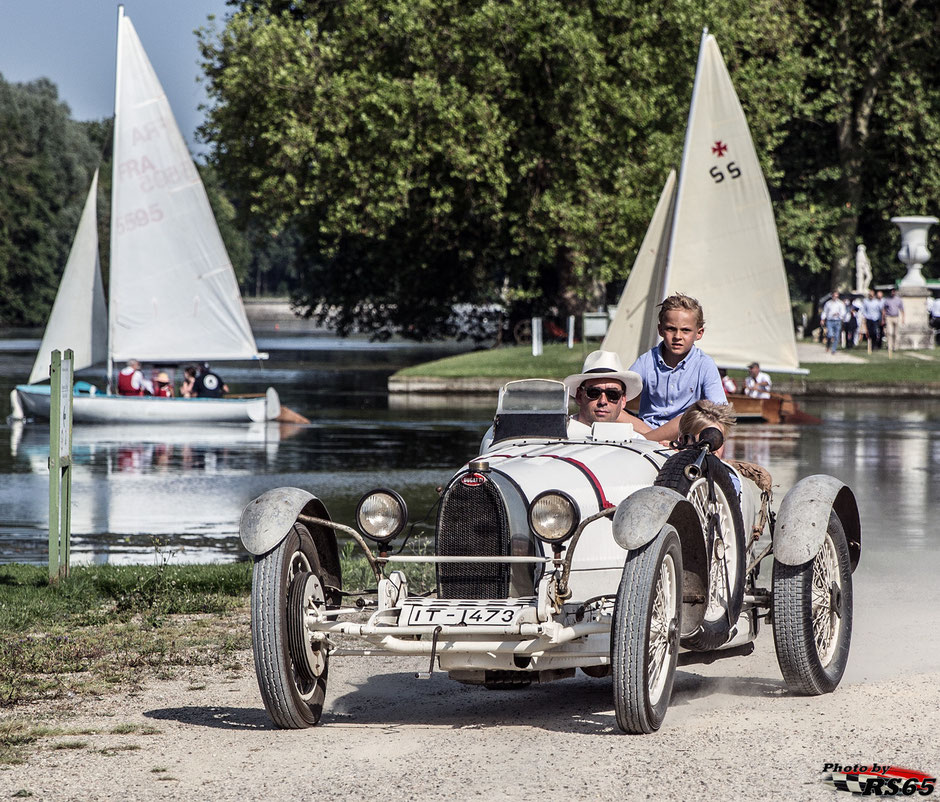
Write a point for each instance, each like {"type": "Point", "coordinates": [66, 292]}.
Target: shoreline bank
{"type": "Point", "coordinates": [432, 385]}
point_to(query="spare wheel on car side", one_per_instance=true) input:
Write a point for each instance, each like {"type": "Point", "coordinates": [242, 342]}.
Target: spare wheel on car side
{"type": "Point", "coordinates": [727, 564]}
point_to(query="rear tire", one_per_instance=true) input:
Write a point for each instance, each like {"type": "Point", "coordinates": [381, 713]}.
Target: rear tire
{"type": "Point", "coordinates": [645, 633]}
{"type": "Point", "coordinates": [724, 598]}
{"type": "Point", "coordinates": [291, 669]}
{"type": "Point", "coordinates": [812, 616]}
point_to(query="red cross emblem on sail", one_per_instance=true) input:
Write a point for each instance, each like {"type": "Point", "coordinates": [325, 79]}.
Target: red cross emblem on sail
{"type": "Point", "coordinates": [719, 148]}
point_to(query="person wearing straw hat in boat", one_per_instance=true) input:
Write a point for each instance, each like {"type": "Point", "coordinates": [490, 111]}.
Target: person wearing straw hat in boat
{"type": "Point", "coordinates": [162, 386]}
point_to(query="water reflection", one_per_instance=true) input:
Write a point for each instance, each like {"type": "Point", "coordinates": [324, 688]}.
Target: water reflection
{"type": "Point", "coordinates": [183, 488]}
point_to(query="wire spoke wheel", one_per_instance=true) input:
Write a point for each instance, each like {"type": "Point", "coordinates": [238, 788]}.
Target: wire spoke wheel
{"type": "Point", "coordinates": [825, 593]}
{"type": "Point", "coordinates": [812, 615]}
{"type": "Point", "coordinates": [726, 565]}
{"type": "Point", "coordinates": [645, 633]}
{"type": "Point", "coordinates": [662, 621]}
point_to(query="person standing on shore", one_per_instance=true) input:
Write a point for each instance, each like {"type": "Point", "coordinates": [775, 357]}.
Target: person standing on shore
{"type": "Point", "coordinates": [893, 318]}
{"type": "Point", "coordinates": [833, 313]}
{"type": "Point", "coordinates": [872, 311]}
{"type": "Point", "coordinates": [850, 325]}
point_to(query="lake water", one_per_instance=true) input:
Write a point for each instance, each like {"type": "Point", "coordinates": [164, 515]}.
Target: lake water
{"type": "Point", "coordinates": [142, 493]}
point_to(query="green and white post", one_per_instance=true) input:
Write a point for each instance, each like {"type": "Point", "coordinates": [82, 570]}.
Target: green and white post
{"type": "Point", "coordinates": [60, 463]}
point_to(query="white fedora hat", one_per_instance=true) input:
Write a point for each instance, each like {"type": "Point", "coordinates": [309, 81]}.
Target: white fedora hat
{"type": "Point", "coordinates": [605, 365]}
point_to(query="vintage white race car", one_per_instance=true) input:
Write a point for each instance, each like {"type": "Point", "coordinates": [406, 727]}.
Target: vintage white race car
{"type": "Point", "coordinates": [561, 547]}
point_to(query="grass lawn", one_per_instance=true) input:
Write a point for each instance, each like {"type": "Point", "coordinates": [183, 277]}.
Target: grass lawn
{"type": "Point", "coordinates": [557, 361]}
{"type": "Point", "coordinates": [104, 624]}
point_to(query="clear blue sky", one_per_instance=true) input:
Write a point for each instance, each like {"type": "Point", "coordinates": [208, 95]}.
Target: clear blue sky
{"type": "Point", "coordinates": [72, 43]}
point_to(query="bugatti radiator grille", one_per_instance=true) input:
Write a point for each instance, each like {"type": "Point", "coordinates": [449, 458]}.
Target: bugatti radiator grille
{"type": "Point", "coordinates": [473, 521]}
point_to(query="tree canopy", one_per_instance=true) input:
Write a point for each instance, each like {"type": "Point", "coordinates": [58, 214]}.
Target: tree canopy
{"type": "Point", "coordinates": [433, 152]}
{"type": "Point", "coordinates": [46, 164]}
{"type": "Point", "coordinates": [386, 160]}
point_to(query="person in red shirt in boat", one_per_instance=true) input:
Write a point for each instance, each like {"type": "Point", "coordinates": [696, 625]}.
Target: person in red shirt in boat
{"type": "Point", "coordinates": [727, 382]}
{"type": "Point", "coordinates": [162, 386]}
{"type": "Point", "coordinates": [131, 380]}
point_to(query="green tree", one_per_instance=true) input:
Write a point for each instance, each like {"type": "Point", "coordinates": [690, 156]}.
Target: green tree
{"type": "Point", "coordinates": [46, 164]}
{"type": "Point", "coordinates": [864, 144]}
{"type": "Point", "coordinates": [438, 152]}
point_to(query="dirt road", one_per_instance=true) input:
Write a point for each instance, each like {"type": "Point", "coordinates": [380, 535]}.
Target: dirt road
{"type": "Point", "coordinates": [732, 731]}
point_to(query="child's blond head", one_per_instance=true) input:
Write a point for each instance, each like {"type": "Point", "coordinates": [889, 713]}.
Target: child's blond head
{"type": "Point", "coordinates": [682, 303]}
{"type": "Point", "coordinates": [703, 414]}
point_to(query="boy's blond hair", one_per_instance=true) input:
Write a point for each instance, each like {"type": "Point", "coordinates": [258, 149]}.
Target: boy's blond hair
{"type": "Point", "coordinates": [684, 303]}
{"type": "Point", "coordinates": [703, 414]}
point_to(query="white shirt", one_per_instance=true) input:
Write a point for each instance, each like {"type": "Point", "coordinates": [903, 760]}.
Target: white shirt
{"type": "Point", "coordinates": [757, 386]}
{"type": "Point", "coordinates": [834, 309]}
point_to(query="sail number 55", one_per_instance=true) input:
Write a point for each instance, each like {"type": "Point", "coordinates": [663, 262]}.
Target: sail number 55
{"type": "Point", "coordinates": [733, 171]}
{"type": "Point", "coordinates": [138, 218]}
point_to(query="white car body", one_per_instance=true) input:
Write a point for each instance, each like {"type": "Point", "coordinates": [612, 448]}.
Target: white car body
{"type": "Point", "coordinates": [511, 608]}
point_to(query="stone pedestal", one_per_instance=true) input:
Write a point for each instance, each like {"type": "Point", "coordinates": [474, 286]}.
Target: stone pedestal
{"type": "Point", "coordinates": [915, 332]}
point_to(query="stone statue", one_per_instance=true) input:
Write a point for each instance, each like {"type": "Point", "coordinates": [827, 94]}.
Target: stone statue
{"type": "Point", "coordinates": [862, 270]}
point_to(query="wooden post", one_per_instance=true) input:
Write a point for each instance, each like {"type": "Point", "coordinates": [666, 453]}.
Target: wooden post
{"type": "Point", "coordinates": [60, 463]}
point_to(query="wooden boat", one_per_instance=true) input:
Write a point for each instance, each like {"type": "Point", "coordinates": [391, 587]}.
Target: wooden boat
{"type": "Point", "coordinates": [173, 296]}
{"type": "Point", "coordinates": [713, 236]}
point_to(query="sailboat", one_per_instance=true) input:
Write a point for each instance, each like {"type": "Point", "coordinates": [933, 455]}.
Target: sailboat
{"type": "Point", "coordinates": [713, 236]}
{"type": "Point", "coordinates": [173, 296]}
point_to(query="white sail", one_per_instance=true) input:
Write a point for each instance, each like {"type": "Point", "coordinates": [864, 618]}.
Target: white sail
{"type": "Point", "coordinates": [723, 247]}
{"type": "Point", "coordinates": [634, 327]}
{"type": "Point", "coordinates": [173, 294]}
{"type": "Point", "coordinates": [79, 318]}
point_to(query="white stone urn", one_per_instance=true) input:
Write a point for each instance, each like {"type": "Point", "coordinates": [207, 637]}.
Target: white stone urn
{"type": "Point", "coordinates": [914, 251]}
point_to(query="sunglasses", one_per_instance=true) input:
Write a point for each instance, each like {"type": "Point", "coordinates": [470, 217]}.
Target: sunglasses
{"type": "Point", "coordinates": [596, 392]}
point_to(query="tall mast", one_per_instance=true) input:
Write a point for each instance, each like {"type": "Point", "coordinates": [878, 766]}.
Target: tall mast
{"type": "Point", "coordinates": [682, 167]}
{"type": "Point", "coordinates": [114, 171]}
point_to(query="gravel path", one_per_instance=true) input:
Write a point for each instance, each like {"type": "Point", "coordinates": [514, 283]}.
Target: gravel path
{"type": "Point", "coordinates": [731, 732]}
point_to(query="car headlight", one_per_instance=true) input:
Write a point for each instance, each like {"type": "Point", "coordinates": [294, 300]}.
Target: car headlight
{"type": "Point", "coordinates": [553, 516]}
{"type": "Point", "coordinates": [381, 515]}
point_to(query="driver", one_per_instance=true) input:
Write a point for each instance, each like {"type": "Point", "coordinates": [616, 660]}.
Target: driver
{"type": "Point", "coordinates": [602, 390]}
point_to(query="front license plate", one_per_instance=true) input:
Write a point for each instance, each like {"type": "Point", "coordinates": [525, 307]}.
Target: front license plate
{"type": "Point", "coordinates": [463, 614]}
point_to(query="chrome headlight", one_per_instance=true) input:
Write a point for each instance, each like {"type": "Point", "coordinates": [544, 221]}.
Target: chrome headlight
{"type": "Point", "coordinates": [553, 516]}
{"type": "Point", "coordinates": [381, 515]}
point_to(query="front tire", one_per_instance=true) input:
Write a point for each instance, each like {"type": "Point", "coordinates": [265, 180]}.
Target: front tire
{"type": "Point", "coordinates": [291, 669]}
{"type": "Point", "coordinates": [812, 615]}
{"type": "Point", "coordinates": [645, 633]}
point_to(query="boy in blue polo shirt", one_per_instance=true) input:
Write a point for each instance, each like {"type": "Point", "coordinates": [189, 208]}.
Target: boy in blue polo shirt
{"type": "Point", "coordinates": [676, 373]}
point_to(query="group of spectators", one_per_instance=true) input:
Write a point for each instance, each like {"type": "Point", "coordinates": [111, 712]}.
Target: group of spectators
{"type": "Point", "coordinates": [198, 382]}
{"type": "Point", "coordinates": [875, 317]}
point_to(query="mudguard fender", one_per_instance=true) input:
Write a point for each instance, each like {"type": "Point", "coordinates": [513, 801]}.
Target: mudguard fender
{"type": "Point", "coordinates": [804, 515]}
{"type": "Point", "coordinates": [641, 516]}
